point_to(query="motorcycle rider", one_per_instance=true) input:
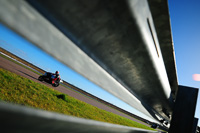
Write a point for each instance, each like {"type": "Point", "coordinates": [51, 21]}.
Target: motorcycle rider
{"type": "Point", "coordinates": [55, 77]}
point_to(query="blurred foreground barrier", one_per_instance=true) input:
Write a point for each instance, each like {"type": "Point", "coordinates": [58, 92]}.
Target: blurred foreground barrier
{"type": "Point", "coordinates": [116, 47]}
{"type": "Point", "coordinates": [125, 47]}
{"type": "Point", "coordinates": [16, 118]}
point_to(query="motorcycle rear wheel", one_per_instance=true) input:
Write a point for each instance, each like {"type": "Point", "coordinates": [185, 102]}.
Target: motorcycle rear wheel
{"type": "Point", "coordinates": [55, 84]}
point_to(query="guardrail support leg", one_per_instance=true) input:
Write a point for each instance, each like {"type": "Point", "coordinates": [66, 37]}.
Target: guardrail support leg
{"type": "Point", "coordinates": [184, 110]}
{"type": "Point", "coordinates": [195, 125]}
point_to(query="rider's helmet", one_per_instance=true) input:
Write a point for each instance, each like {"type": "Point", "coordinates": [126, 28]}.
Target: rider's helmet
{"type": "Point", "coordinates": [57, 73]}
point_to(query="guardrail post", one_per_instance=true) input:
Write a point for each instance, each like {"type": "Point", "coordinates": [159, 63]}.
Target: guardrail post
{"type": "Point", "coordinates": [195, 125]}
{"type": "Point", "coordinates": [184, 110]}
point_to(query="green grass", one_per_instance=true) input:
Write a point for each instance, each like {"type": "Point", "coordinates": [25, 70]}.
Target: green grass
{"type": "Point", "coordinates": [19, 90]}
{"type": "Point", "coordinates": [40, 74]}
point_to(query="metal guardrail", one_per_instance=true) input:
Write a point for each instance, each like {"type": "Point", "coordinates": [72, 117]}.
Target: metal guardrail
{"type": "Point", "coordinates": [26, 21]}
{"type": "Point", "coordinates": [133, 83]}
{"type": "Point", "coordinates": [16, 118]}
{"type": "Point", "coordinates": [121, 38]}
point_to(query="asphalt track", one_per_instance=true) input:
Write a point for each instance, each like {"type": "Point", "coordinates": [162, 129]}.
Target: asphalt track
{"type": "Point", "coordinates": [19, 70]}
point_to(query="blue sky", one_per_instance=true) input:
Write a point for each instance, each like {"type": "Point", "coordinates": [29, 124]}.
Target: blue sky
{"type": "Point", "coordinates": [185, 23]}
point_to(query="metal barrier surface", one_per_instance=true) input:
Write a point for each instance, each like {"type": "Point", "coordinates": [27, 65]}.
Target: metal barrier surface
{"type": "Point", "coordinates": [16, 118]}
{"type": "Point", "coordinates": [120, 52]}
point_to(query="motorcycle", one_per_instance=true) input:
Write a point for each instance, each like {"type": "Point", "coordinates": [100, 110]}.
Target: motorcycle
{"type": "Point", "coordinates": [50, 78]}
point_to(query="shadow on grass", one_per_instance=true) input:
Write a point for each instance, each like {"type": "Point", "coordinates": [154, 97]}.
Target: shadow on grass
{"type": "Point", "coordinates": [63, 97]}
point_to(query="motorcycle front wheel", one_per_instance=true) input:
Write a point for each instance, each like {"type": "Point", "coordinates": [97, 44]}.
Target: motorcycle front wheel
{"type": "Point", "coordinates": [40, 78]}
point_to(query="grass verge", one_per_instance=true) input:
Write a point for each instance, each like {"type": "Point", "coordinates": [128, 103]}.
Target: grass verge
{"type": "Point", "coordinates": [19, 90]}
{"type": "Point", "coordinates": [60, 84]}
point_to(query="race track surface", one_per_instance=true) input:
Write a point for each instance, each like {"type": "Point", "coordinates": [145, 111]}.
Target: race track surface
{"type": "Point", "coordinates": [19, 70]}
